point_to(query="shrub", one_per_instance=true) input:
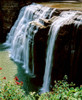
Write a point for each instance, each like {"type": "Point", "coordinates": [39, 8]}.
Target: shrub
{"type": "Point", "coordinates": [61, 91]}
{"type": "Point", "coordinates": [11, 90]}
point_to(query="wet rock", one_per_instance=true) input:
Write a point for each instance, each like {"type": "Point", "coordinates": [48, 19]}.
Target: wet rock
{"type": "Point", "coordinates": [68, 51]}
{"type": "Point", "coordinates": [40, 45]}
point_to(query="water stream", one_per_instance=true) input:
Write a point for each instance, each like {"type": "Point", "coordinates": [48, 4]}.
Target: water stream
{"type": "Point", "coordinates": [20, 39]}
{"type": "Point", "coordinates": [21, 36]}
{"type": "Point", "coordinates": [10, 69]}
{"type": "Point", "coordinates": [54, 29]}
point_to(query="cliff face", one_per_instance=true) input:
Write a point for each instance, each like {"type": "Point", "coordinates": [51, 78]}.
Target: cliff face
{"type": "Point", "coordinates": [68, 52]}
{"type": "Point", "coordinates": [67, 55]}
{"type": "Point", "coordinates": [8, 14]}
{"type": "Point", "coordinates": [9, 10]}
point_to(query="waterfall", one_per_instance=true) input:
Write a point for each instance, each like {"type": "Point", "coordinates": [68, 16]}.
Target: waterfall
{"type": "Point", "coordinates": [20, 39]}
{"type": "Point", "coordinates": [54, 29]}
{"type": "Point", "coordinates": [28, 48]}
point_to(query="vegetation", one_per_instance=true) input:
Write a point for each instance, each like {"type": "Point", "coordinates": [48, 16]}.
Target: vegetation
{"type": "Point", "coordinates": [61, 91]}
{"type": "Point", "coordinates": [11, 90]}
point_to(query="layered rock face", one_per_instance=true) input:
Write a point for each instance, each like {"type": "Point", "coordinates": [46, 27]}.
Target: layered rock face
{"type": "Point", "coordinates": [67, 52]}
{"type": "Point", "coordinates": [9, 10]}
{"type": "Point", "coordinates": [48, 43]}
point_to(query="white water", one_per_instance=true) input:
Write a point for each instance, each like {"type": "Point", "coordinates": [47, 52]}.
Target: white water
{"type": "Point", "coordinates": [21, 36]}
{"type": "Point", "coordinates": [55, 27]}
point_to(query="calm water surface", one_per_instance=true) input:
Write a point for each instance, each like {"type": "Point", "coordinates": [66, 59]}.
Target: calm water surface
{"type": "Point", "coordinates": [10, 69]}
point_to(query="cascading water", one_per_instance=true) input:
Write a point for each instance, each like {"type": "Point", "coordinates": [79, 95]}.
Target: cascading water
{"type": "Point", "coordinates": [28, 48]}
{"type": "Point", "coordinates": [21, 36]}
{"type": "Point", "coordinates": [55, 27]}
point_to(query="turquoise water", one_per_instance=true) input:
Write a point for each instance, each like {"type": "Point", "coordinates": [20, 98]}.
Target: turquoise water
{"type": "Point", "coordinates": [10, 69]}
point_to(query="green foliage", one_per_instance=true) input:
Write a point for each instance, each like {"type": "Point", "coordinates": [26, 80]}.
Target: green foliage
{"type": "Point", "coordinates": [32, 96]}
{"type": "Point", "coordinates": [11, 91]}
{"type": "Point", "coordinates": [61, 91]}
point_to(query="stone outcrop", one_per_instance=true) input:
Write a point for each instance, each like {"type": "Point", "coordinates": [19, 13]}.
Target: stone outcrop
{"type": "Point", "coordinates": [40, 45]}
{"type": "Point", "coordinates": [67, 51]}
{"type": "Point", "coordinates": [9, 10]}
